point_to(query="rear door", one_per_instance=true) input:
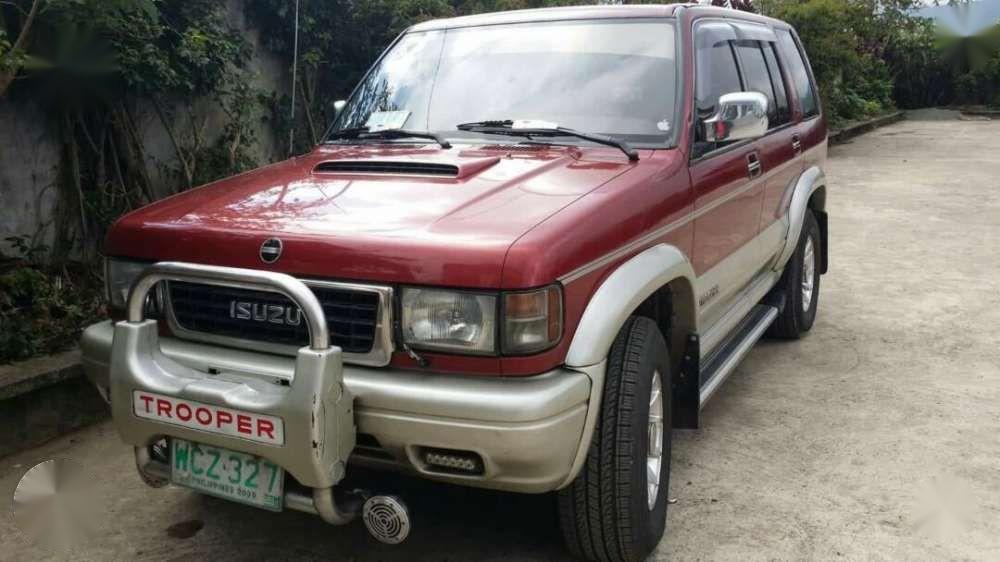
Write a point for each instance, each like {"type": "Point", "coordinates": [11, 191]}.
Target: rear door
{"type": "Point", "coordinates": [802, 87]}
{"type": "Point", "coordinates": [779, 148]}
{"type": "Point", "coordinates": [809, 131]}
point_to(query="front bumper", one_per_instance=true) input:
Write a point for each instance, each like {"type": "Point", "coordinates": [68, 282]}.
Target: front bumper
{"type": "Point", "coordinates": [529, 432]}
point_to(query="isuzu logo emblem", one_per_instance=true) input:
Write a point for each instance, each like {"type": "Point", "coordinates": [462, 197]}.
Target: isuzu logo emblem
{"type": "Point", "coordinates": [270, 250]}
{"type": "Point", "coordinates": [263, 312]}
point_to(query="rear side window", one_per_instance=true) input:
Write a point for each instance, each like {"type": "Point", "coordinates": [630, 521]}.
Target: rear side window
{"type": "Point", "coordinates": [782, 111]}
{"type": "Point", "coordinates": [797, 72]}
{"type": "Point", "coordinates": [756, 77]}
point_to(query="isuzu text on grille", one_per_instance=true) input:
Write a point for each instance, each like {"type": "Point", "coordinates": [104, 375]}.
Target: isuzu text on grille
{"type": "Point", "coordinates": [206, 417]}
{"type": "Point", "coordinates": [271, 313]}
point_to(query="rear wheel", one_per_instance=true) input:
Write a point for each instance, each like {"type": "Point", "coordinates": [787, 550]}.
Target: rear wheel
{"type": "Point", "coordinates": [799, 285]}
{"type": "Point", "coordinates": [616, 509]}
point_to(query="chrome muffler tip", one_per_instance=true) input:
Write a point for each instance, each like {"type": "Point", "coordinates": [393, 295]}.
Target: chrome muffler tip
{"type": "Point", "coordinates": [387, 519]}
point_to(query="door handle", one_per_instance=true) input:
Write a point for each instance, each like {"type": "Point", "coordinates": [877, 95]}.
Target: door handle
{"type": "Point", "coordinates": [796, 144]}
{"type": "Point", "coordinates": [753, 165]}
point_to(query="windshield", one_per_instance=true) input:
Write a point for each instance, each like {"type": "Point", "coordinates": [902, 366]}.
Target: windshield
{"type": "Point", "coordinates": [614, 77]}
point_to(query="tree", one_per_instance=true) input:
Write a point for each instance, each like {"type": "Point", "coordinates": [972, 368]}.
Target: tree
{"type": "Point", "coordinates": [103, 59]}
{"type": "Point", "coordinates": [12, 55]}
{"type": "Point", "coordinates": [846, 41]}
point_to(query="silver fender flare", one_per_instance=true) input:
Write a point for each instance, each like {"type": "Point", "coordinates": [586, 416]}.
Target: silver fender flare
{"type": "Point", "coordinates": [613, 302]}
{"type": "Point", "coordinates": [810, 180]}
{"type": "Point", "coordinates": [620, 294]}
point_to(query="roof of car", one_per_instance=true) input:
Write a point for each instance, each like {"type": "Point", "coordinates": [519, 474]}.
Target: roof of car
{"type": "Point", "coordinates": [587, 12]}
{"type": "Point", "coordinates": [553, 14]}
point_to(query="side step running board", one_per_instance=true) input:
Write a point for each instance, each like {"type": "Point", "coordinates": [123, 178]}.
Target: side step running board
{"type": "Point", "coordinates": [721, 364]}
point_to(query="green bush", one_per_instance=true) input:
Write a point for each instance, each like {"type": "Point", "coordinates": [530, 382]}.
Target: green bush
{"type": "Point", "coordinates": [980, 85]}
{"type": "Point", "coordinates": [44, 311]}
{"type": "Point", "coordinates": [839, 38]}
{"type": "Point", "coordinates": [921, 77]}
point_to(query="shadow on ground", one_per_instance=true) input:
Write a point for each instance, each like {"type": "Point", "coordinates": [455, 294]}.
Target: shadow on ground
{"type": "Point", "coordinates": [449, 523]}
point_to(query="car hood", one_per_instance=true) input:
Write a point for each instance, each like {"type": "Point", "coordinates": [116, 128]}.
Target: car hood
{"type": "Point", "coordinates": [395, 214]}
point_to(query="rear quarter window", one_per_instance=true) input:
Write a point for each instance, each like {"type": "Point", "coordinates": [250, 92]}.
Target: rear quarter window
{"type": "Point", "coordinates": [798, 73]}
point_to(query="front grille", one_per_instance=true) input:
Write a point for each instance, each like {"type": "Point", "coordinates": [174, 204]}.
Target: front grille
{"type": "Point", "coordinates": [351, 315]}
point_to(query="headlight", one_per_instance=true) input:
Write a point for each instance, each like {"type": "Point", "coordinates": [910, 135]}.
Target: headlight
{"type": "Point", "coordinates": [445, 320]}
{"type": "Point", "coordinates": [532, 321]}
{"type": "Point", "coordinates": [118, 278]}
{"type": "Point", "coordinates": [466, 322]}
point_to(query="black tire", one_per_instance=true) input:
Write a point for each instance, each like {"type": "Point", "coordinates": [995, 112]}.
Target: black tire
{"type": "Point", "coordinates": [604, 514]}
{"type": "Point", "coordinates": [796, 318]}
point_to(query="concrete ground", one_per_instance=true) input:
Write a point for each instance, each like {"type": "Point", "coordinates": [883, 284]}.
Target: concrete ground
{"type": "Point", "coordinates": [876, 437]}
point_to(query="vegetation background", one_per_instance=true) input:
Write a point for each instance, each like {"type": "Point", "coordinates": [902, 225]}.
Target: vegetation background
{"type": "Point", "coordinates": [93, 64]}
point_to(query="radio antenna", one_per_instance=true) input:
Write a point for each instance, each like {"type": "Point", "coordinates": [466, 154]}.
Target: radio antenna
{"type": "Point", "coordinates": [295, 76]}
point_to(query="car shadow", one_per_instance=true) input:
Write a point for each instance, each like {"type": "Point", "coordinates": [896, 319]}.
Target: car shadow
{"type": "Point", "coordinates": [448, 523]}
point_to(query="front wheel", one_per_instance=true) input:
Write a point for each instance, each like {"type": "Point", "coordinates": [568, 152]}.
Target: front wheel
{"type": "Point", "coordinates": [616, 509]}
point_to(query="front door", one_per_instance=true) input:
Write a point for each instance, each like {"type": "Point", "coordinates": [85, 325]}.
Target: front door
{"type": "Point", "coordinates": [727, 180]}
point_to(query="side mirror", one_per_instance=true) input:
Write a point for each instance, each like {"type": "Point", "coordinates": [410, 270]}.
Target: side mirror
{"type": "Point", "coordinates": [338, 106]}
{"type": "Point", "coordinates": [741, 115]}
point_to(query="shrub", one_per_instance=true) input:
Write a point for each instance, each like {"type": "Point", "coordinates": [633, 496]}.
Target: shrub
{"type": "Point", "coordinates": [980, 85]}
{"type": "Point", "coordinates": [921, 77]}
{"type": "Point", "coordinates": [842, 46]}
{"type": "Point", "coordinates": [44, 310]}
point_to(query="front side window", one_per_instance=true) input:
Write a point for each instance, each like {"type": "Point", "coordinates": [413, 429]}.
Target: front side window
{"type": "Point", "coordinates": [798, 73]}
{"type": "Point", "coordinates": [716, 74]}
{"type": "Point", "coordinates": [614, 77]}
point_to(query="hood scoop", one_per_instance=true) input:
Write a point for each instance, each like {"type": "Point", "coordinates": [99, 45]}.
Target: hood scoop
{"type": "Point", "coordinates": [463, 168]}
{"type": "Point", "coordinates": [517, 147]}
{"type": "Point", "coordinates": [393, 167]}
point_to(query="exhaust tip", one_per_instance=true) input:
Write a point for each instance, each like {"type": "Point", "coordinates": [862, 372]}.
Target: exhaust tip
{"type": "Point", "coordinates": [387, 519]}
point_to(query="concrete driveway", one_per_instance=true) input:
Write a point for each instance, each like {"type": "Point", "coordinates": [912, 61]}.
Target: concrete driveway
{"type": "Point", "coordinates": [876, 437]}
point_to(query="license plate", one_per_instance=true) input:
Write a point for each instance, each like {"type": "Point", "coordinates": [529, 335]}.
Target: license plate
{"type": "Point", "coordinates": [227, 474]}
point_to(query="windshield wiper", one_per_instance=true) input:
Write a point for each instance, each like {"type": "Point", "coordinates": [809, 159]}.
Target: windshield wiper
{"type": "Point", "coordinates": [506, 127]}
{"type": "Point", "coordinates": [362, 133]}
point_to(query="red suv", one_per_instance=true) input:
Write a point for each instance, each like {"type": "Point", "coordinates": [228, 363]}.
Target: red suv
{"type": "Point", "coordinates": [531, 245]}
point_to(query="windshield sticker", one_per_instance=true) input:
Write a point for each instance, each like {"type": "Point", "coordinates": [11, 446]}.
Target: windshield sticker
{"type": "Point", "coordinates": [385, 120]}
{"type": "Point", "coordinates": [533, 124]}
{"type": "Point", "coordinates": [663, 126]}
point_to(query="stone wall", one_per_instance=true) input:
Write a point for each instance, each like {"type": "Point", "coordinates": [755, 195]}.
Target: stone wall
{"type": "Point", "coordinates": [30, 151]}
{"type": "Point", "coordinates": [29, 157]}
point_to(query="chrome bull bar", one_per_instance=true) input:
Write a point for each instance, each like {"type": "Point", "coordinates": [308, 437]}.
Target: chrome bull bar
{"type": "Point", "coordinates": [315, 407]}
